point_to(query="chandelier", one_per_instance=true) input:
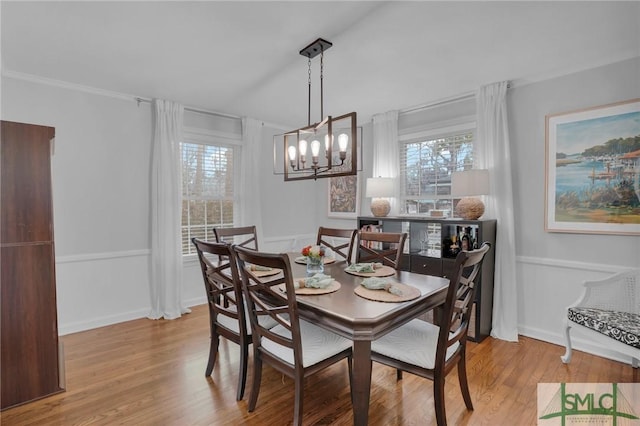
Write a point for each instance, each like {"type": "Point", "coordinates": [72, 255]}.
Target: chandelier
{"type": "Point", "coordinates": [324, 149]}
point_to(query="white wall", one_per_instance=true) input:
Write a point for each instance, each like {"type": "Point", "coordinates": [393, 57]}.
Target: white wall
{"type": "Point", "coordinates": [101, 203]}
{"type": "Point", "coordinates": [552, 266]}
{"type": "Point", "coordinates": [100, 174]}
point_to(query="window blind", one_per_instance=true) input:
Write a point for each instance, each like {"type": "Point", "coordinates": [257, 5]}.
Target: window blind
{"type": "Point", "coordinates": [426, 164]}
{"type": "Point", "coordinates": [207, 191]}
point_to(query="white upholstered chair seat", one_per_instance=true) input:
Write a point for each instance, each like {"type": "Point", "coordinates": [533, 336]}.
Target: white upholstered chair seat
{"type": "Point", "coordinates": [414, 343]}
{"type": "Point", "coordinates": [318, 344]}
{"type": "Point", "coordinates": [232, 324]}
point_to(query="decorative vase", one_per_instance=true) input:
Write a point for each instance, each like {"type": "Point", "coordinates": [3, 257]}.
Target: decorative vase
{"type": "Point", "coordinates": [315, 265]}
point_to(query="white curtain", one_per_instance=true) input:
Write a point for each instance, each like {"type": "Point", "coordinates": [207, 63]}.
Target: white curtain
{"type": "Point", "coordinates": [493, 153]}
{"type": "Point", "coordinates": [386, 152]}
{"type": "Point", "coordinates": [166, 210]}
{"type": "Point", "coordinates": [250, 193]}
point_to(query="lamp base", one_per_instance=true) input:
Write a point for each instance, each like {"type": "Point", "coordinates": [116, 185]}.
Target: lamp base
{"type": "Point", "coordinates": [470, 208]}
{"type": "Point", "coordinates": [380, 207]}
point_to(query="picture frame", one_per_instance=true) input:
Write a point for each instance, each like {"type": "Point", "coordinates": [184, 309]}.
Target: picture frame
{"type": "Point", "coordinates": [592, 168]}
{"type": "Point", "coordinates": [343, 197]}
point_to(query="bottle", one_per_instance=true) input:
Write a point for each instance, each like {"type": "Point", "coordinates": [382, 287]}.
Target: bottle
{"type": "Point", "coordinates": [464, 243]}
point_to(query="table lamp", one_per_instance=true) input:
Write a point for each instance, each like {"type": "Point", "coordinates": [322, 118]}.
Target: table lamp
{"type": "Point", "coordinates": [379, 188]}
{"type": "Point", "coordinates": [467, 184]}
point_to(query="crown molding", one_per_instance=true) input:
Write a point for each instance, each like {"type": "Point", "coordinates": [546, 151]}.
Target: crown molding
{"type": "Point", "coordinates": [66, 85]}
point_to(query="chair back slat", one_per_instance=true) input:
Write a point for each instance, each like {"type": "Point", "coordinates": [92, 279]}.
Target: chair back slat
{"type": "Point", "coordinates": [265, 297]}
{"type": "Point", "coordinates": [340, 241]}
{"type": "Point", "coordinates": [243, 236]}
{"type": "Point", "coordinates": [222, 282]}
{"type": "Point", "coordinates": [387, 251]}
{"type": "Point", "coordinates": [458, 306]}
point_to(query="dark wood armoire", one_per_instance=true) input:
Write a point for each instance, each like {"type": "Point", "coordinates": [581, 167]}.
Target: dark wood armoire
{"type": "Point", "coordinates": [30, 362]}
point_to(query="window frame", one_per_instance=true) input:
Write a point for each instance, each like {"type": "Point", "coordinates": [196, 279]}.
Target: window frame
{"type": "Point", "coordinates": [434, 131]}
{"type": "Point", "coordinates": [218, 139]}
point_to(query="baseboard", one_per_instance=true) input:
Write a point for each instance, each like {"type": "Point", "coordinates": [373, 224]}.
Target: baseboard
{"type": "Point", "coordinates": [79, 326]}
{"type": "Point", "coordinates": [577, 344]}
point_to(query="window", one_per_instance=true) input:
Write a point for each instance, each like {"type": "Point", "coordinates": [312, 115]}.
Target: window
{"type": "Point", "coordinates": [207, 190]}
{"type": "Point", "coordinates": [426, 164]}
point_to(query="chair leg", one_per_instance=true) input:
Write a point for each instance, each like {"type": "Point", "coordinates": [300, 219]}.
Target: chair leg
{"type": "Point", "coordinates": [566, 358]}
{"type": "Point", "coordinates": [242, 373]}
{"type": "Point", "coordinates": [464, 384]}
{"type": "Point", "coordinates": [255, 384]}
{"type": "Point", "coordinates": [398, 374]}
{"type": "Point", "coordinates": [297, 402]}
{"type": "Point", "coordinates": [213, 353]}
{"type": "Point", "coordinates": [350, 361]}
{"type": "Point", "coordinates": [438, 397]}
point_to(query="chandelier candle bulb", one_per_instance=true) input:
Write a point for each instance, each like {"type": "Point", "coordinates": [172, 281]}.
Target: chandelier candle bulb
{"type": "Point", "coordinates": [328, 141]}
{"type": "Point", "coordinates": [343, 141]}
{"type": "Point", "coordinates": [302, 146]}
{"type": "Point", "coordinates": [315, 150]}
{"type": "Point", "coordinates": [292, 155]}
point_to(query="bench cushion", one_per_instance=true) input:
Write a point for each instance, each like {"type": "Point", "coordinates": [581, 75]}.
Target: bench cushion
{"type": "Point", "coordinates": [621, 326]}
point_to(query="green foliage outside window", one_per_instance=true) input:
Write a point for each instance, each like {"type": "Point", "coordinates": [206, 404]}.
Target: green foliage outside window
{"type": "Point", "coordinates": [207, 191]}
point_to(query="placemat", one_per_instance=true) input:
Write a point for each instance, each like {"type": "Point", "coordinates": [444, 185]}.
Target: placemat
{"type": "Point", "coordinates": [261, 274]}
{"type": "Point", "coordinates": [334, 286]}
{"type": "Point", "coordinates": [384, 271]}
{"type": "Point", "coordinates": [303, 260]}
{"type": "Point", "coordinates": [408, 293]}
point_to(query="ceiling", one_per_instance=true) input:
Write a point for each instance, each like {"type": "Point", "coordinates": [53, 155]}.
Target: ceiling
{"type": "Point", "coordinates": [241, 58]}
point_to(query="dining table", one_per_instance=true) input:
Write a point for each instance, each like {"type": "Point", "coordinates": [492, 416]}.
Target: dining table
{"type": "Point", "coordinates": [363, 320]}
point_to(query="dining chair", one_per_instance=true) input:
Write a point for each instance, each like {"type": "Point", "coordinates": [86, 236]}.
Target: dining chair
{"type": "Point", "coordinates": [244, 236]}
{"type": "Point", "coordinates": [294, 347]}
{"type": "Point", "coordinates": [383, 247]}
{"type": "Point", "coordinates": [340, 241]}
{"type": "Point", "coordinates": [432, 351]}
{"type": "Point", "coordinates": [224, 295]}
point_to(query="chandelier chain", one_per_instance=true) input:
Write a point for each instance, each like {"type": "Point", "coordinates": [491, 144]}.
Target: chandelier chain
{"type": "Point", "coordinates": [321, 84]}
{"type": "Point", "coordinates": [309, 95]}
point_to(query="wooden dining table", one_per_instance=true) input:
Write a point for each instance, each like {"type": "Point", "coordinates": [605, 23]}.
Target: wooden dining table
{"type": "Point", "coordinates": [363, 320]}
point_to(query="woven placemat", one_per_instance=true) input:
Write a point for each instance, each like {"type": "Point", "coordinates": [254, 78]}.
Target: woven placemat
{"type": "Point", "coordinates": [261, 274]}
{"type": "Point", "coordinates": [303, 260]}
{"type": "Point", "coordinates": [334, 286]}
{"type": "Point", "coordinates": [408, 293]}
{"type": "Point", "coordinates": [384, 271]}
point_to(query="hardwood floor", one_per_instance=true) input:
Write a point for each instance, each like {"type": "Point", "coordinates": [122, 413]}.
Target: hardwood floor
{"type": "Point", "coordinates": [147, 372]}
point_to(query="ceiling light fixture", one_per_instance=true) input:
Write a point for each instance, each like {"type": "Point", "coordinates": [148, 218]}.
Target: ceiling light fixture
{"type": "Point", "coordinates": [337, 154]}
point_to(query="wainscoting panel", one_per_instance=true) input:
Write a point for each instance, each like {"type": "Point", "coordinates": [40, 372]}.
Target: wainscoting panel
{"type": "Point", "coordinates": [100, 289]}
{"type": "Point", "coordinates": [545, 288]}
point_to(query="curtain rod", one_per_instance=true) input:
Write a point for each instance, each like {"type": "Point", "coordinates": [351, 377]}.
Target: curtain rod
{"type": "Point", "coordinates": [444, 101]}
{"type": "Point", "coordinates": [199, 111]}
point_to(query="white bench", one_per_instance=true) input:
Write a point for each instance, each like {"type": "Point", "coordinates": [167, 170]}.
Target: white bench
{"type": "Point", "coordinates": [609, 313]}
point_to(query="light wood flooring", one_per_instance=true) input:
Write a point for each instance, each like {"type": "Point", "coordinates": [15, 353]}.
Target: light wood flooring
{"type": "Point", "coordinates": [146, 372]}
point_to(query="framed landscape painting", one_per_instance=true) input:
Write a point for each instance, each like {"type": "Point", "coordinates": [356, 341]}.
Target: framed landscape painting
{"type": "Point", "coordinates": [592, 172]}
{"type": "Point", "coordinates": [344, 197]}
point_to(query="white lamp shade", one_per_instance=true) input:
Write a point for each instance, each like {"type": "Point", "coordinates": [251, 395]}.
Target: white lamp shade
{"type": "Point", "coordinates": [380, 187]}
{"type": "Point", "coordinates": [470, 183]}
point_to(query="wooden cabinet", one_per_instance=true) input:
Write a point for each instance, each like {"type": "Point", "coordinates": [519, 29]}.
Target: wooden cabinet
{"type": "Point", "coordinates": [432, 247]}
{"type": "Point", "coordinates": [29, 356]}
